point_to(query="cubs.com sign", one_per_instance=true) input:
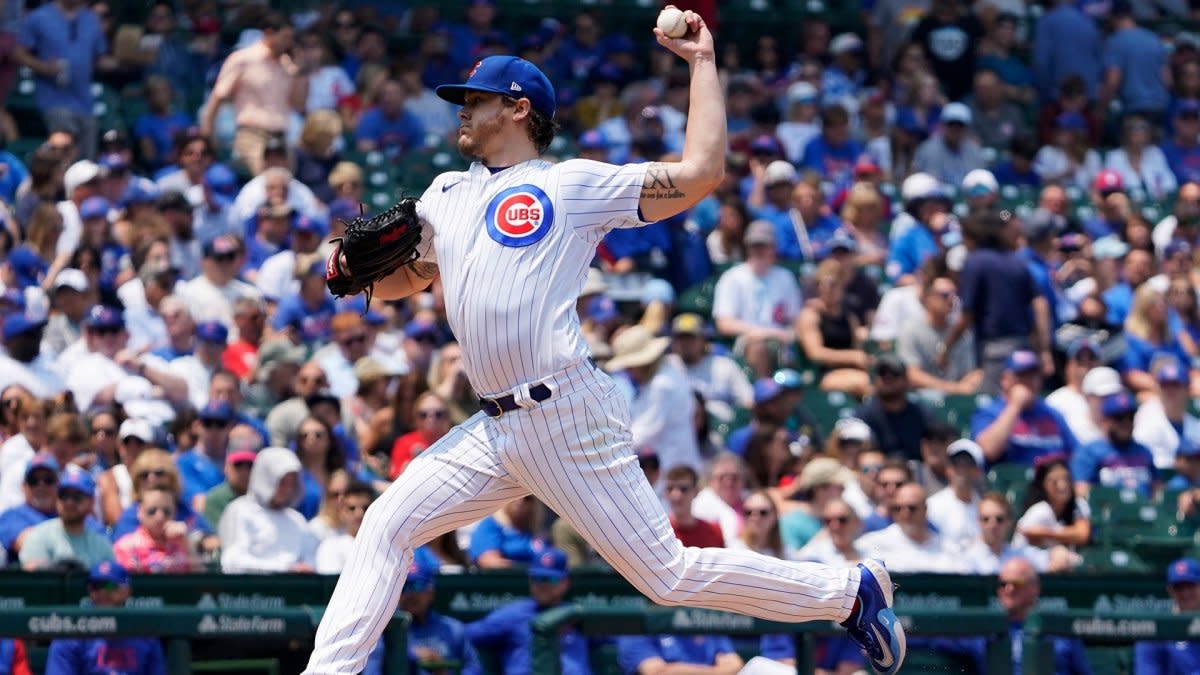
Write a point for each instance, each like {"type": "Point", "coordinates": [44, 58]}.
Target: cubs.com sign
{"type": "Point", "coordinates": [519, 216]}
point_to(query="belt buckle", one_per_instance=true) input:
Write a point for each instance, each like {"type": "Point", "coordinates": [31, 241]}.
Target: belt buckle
{"type": "Point", "coordinates": [498, 407]}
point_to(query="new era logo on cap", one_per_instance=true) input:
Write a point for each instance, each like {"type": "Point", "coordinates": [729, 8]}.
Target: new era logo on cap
{"type": "Point", "coordinates": [514, 87]}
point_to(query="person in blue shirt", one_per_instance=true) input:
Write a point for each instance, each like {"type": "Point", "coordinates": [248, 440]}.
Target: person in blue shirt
{"type": "Point", "coordinates": [507, 629]}
{"type": "Point", "coordinates": [389, 126]}
{"type": "Point", "coordinates": [1183, 148]}
{"type": "Point", "coordinates": [62, 42]}
{"type": "Point", "coordinates": [41, 488]}
{"type": "Point", "coordinates": [1117, 460]}
{"type": "Point", "coordinates": [200, 469]}
{"type": "Point", "coordinates": [1018, 591]}
{"type": "Point", "coordinates": [833, 153]}
{"type": "Point", "coordinates": [1042, 229]}
{"type": "Point", "coordinates": [1018, 170]}
{"type": "Point", "coordinates": [832, 654]}
{"type": "Point", "coordinates": [155, 130]}
{"type": "Point", "coordinates": [930, 212]}
{"type": "Point", "coordinates": [12, 174]}
{"type": "Point", "coordinates": [153, 469]}
{"type": "Point", "coordinates": [108, 586]}
{"type": "Point", "coordinates": [1136, 267]}
{"type": "Point", "coordinates": [637, 654]}
{"type": "Point", "coordinates": [307, 316]}
{"type": "Point", "coordinates": [431, 636]}
{"type": "Point", "coordinates": [1135, 66]}
{"type": "Point", "coordinates": [1148, 338]}
{"type": "Point", "coordinates": [1174, 658]}
{"type": "Point", "coordinates": [270, 227]}
{"type": "Point", "coordinates": [506, 538]}
{"type": "Point", "coordinates": [1018, 426]}
{"type": "Point", "coordinates": [1065, 42]}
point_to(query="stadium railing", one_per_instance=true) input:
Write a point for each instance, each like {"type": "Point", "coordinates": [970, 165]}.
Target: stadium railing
{"type": "Point", "coordinates": [1111, 629]}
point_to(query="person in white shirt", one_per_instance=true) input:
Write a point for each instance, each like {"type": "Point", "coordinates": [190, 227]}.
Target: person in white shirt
{"type": "Point", "coordinates": [93, 377]}
{"type": "Point", "coordinates": [718, 378]}
{"type": "Point", "coordinates": [1139, 162]}
{"type": "Point", "coordinates": [351, 342]}
{"type": "Point", "coordinates": [274, 184]}
{"type": "Point", "coordinates": [757, 301]}
{"type": "Point", "coordinates": [211, 295]}
{"type": "Point", "coordinates": [80, 181]}
{"type": "Point", "coordinates": [333, 551]}
{"type": "Point", "coordinates": [1088, 382]}
{"type": "Point", "coordinates": [1053, 514]}
{"type": "Point", "coordinates": [991, 548]}
{"type": "Point", "coordinates": [721, 500]}
{"type": "Point", "coordinates": [22, 363]}
{"type": "Point", "coordinates": [1185, 218]}
{"type": "Point", "coordinates": [198, 367]}
{"type": "Point", "coordinates": [146, 323]}
{"type": "Point", "coordinates": [908, 544]}
{"type": "Point", "coordinates": [663, 407]}
{"type": "Point", "coordinates": [837, 541]}
{"type": "Point", "coordinates": [1163, 423]}
{"type": "Point", "coordinates": [803, 122]}
{"type": "Point", "coordinates": [260, 531]}
{"type": "Point", "coordinates": [954, 510]}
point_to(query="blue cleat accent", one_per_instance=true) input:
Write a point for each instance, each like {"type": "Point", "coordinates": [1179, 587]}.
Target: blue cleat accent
{"type": "Point", "coordinates": [875, 627]}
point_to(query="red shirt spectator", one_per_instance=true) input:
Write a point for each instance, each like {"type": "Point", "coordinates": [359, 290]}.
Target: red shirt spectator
{"type": "Point", "coordinates": [433, 421]}
{"type": "Point", "coordinates": [681, 486]}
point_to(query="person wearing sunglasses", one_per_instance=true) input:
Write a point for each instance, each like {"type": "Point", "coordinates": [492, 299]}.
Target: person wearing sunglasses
{"type": "Point", "coordinates": [1117, 460]}
{"type": "Point", "coordinates": [40, 489]}
{"type": "Point", "coordinates": [993, 546]}
{"type": "Point", "coordinates": [823, 479]}
{"type": "Point", "coordinates": [432, 418]}
{"type": "Point", "coordinates": [321, 456]}
{"type": "Point", "coordinates": [909, 544]}
{"type": "Point", "coordinates": [67, 538]}
{"type": "Point", "coordinates": [507, 629]}
{"type": "Point", "coordinates": [1018, 590]}
{"type": "Point", "coordinates": [896, 421]}
{"type": "Point", "coordinates": [350, 508]}
{"type": "Point", "coordinates": [160, 543]}
{"type": "Point", "coordinates": [108, 585]}
{"type": "Point", "coordinates": [238, 461]}
{"type": "Point", "coordinates": [210, 295]}
{"type": "Point", "coordinates": [155, 469]}
{"type": "Point", "coordinates": [916, 343]}
{"type": "Point", "coordinates": [200, 466]}
{"type": "Point", "coordinates": [954, 510]}
{"type": "Point", "coordinates": [1018, 426]}
{"type": "Point", "coordinates": [351, 342]}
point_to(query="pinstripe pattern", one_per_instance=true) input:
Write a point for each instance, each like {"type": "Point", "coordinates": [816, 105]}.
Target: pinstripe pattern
{"type": "Point", "coordinates": [513, 311]}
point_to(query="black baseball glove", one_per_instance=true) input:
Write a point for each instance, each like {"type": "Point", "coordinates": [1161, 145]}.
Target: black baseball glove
{"type": "Point", "coordinates": [372, 249]}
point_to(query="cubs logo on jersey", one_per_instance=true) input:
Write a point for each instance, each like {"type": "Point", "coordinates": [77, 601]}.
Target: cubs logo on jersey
{"type": "Point", "coordinates": [519, 216]}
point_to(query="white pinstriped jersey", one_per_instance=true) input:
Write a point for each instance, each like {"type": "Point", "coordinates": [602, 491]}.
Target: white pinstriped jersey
{"type": "Point", "coordinates": [513, 250]}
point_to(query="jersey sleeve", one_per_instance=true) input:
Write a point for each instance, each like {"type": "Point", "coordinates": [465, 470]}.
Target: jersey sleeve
{"type": "Point", "coordinates": [486, 537]}
{"type": "Point", "coordinates": [595, 197]}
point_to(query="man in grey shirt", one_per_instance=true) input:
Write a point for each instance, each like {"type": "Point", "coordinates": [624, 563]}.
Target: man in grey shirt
{"type": "Point", "coordinates": [917, 344]}
{"type": "Point", "coordinates": [950, 154]}
{"type": "Point", "coordinates": [996, 121]}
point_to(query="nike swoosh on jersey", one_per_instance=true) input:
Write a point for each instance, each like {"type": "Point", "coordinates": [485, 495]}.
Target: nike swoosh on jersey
{"type": "Point", "coordinates": [446, 188]}
{"type": "Point", "coordinates": [886, 648]}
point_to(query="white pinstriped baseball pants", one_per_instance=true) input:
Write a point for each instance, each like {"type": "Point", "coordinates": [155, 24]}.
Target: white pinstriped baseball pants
{"type": "Point", "coordinates": [573, 452]}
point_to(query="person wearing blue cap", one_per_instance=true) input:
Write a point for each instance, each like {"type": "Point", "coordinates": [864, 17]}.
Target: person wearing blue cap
{"type": "Point", "coordinates": [1163, 423]}
{"type": "Point", "coordinates": [1174, 658]}
{"type": "Point", "coordinates": [93, 376]}
{"type": "Point", "coordinates": [22, 362]}
{"type": "Point", "coordinates": [197, 368]}
{"type": "Point", "coordinates": [67, 539]}
{"type": "Point", "coordinates": [278, 276]}
{"type": "Point", "coordinates": [714, 654]}
{"type": "Point", "coordinates": [512, 238]}
{"type": "Point", "coordinates": [432, 637]}
{"type": "Point", "coordinates": [1018, 427]}
{"type": "Point", "coordinates": [306, 314]}
{"type": "Point", "coordinates": [1117, 460]}
{"type": "Point", "coordinates": [389, 126]}
{"type": "Point", "coordinates": [271, 226]}
{"type": "Point", "coordinates": [507, 629]}
{"type": "Point", "coordinates": [201, 468]}
{"type": "Point", "coordinates": [108, 585]}
{"type": "Point", "coordinates": [40, 486]}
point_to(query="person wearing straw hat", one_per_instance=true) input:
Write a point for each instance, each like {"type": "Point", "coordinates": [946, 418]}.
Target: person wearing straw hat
{"type": "Point", "coordinates": [663, 405]}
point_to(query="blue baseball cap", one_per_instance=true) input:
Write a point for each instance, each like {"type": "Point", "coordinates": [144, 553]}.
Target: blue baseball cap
{"type": "Point", "coordinates": [1071, 120]}
{"type": "Point", "coordinates": [1080, 345]}
{"type": "Point", "coordinates": [1177, 246]}
{"type": "Point", "coordinates": [113, 161]}
{"type": "Point", "coordinates": [1022, 361]}
{"type": "Point", "coordinates": [311, 224]}
{"type": "Point", "coordinates": [19, 324]}
{"type": "Point", "coordinates": [108, 572]}
{"type": "Point", "coordinates": [607, 72]}
{"type": "Point", "coordinates": [843, 240]}
{"type": "Point", "coordinates": [222, 183]}
{"type": "Point", "coordinates": [592, 140]}
{"type": "Point", "coordinates": [218, 411]}
{"type": "Point", "coordinates": [510, 76]}
{"type": "Point", "coordinates": [1171, 371]}
{"type": "Point", "coordinates": [76, 478]}
{"type": "Point", "coordinates": [94, 207]}
{"type": "Point", "coordinates": [1118, 404]}
{"type": "Point", "coordinates": [765, 144]}
{"type": "Point", "coordinates": [767, 389]}
{"type": "Point", "coordinates": [602, 309]}
{"type": "Point", "coordinates": [550, 564]}
{"type": "Point", "coordinates": [212, 331]}
{"type": "Point", "coordinates": [103, 316]}
{"type": "Point", "coordinates": [788, 379]}
{"type": "Point", "coordinates": [420, 328]}
{"type": "Point", "coordinates": [42, 460]}
{"type": "Point", "coordinates": [420, 578]}
{"type": "Point", "coordinates": [27, 267]}
{"type": "Point", "coordinates": [344, 209]}
{"type": "Point", "coordinates": [1184, 571]}
{"type": "Point", "coordinates": [140, 191]}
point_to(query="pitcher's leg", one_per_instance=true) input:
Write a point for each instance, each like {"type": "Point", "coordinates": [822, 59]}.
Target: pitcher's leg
{"type": "Point", "coordinates": [578, 461]}
{"type": "Point", "coordinates": [456, 481]}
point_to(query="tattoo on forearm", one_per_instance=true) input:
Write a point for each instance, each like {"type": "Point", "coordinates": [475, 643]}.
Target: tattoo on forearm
{"type": "Point", "coordinates": [659, 184]}
{"type": "Point", "coordinates": [425, 270]}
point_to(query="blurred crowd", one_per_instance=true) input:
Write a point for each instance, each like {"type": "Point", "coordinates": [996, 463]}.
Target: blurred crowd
{"type": "Point", "coordinates": [927, 204]}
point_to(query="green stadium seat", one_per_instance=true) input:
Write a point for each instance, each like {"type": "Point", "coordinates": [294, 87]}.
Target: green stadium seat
{"type": "Point", "coordinates": [829, 406]}
{"type": "Point", "coordinates": [698, 298]}
{"type": "Point", "coordinates": [1103, 559]}
{"type": "Point", "coordinates": [1005, 476]}
{"type": "Point", "coordinates": [958, 409]}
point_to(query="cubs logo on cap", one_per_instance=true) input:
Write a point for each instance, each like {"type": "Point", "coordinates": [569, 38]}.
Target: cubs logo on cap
{"type": "Point", "coordinates": [519, 216]}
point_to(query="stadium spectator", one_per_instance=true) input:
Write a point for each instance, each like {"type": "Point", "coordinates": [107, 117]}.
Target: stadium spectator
{"type": "Point", "coordinates": [433, 422]}
{"type": "Point", "coordinates": [918, 340]}
{"type": "Point", "coordinates": [389, 127]}
{"type": "Point", "coordinates": [1183, 575]}
{"type": "Point", "coordinates": [1162, 423]}
{"type": "Point", "coordinates": [67, 539]}
{"type": "Point", "coordinates": [1052, 513]}
{"type": "Point", "coordinates": [509, 537]}
{"type": "Point", "coordinates": [829, 334]}
{"type": "Point", "coordinates": [328, 521]}
{"type": "Point", "coordinates": [432, 637]}
{"type": "Point", "coordinates": [909, 544]}
{"type": "Point", "coordinates": [200, 467]}
{"type": "Point", "coordinates": [160, 543]}
{"type": "Point", "coordinates": [891, 475]}
{"type": "Point", "coordinates": [210, 296]}
{"type": "Point", "coordinates": [63, 44]}
{"type": "Point", "coordinates": [240, 357]}
{"type": "Point", "coordinates": [22, 361]}
{"type": "Point", "coordinates": [1066, 43]}
{"type": "Point", "coordinates": [1116, 460]}
{"type": "Point", "coordinates": [1135, 67]}
{"type": "Point", "coordinates": [320, 455]}
{"type": "Point", "coordinates": [992, 547]}
{"type": "Point", "coordinates": [1018, 426]}
{"type": "Point", "coordinates": [663, 405]}
{"type": "Point", "coordinates": [263, 84]}
{"type": "Point", "coordinates": [114, 486]}
{"type": "Point", "coordinates": [39, 488]}
{"type": "Point", "coordinates": [768, 456]}
{"type": "Point", "coordinates": [822, 480]}
{"type": "Point", "coordinates": [317, 153]}
{"type": "Point", "coordinates": [108, 585]}
{"type": "Point", "coordinates": [932, 474]}
{"type": "Point", "coordinates": [507, 629]}
{"type": "Point", "coordinates": [700, 654]}
{"type": "Point", "coordinates": [950, 153]}
{"type": "Point", "coordinates": [156, 129]}
{"type": "Point", "coordinates": [1042, 230]}
{"type": "Point", "coordinates": [69, 302]}
{"type": "Point", "coordinates": [915, 234]}
{"type": "Point", "coordinates": [285, 416]}
{"type": "Point", "coordinates": [680, 485]}
{"type": "Point", "coordinates": [981, 191]}
{"type": "Point", "coordinates": [721, 500]}
{"type": "Point", "coordinates": [896, 422]}
{"type": "Point", "coordinates": [954, 510]}
{"type": "Point", "coordinates": [994, 119]}
{"type": "Point", "coordinates": [1140, 163]}
{"type": "Point", "coordinates": [833, 152]}
{"type": "Point", "coordinates": [1087, 383]}
{"type": "Point", "coordinates": [204, 360]}
{"type": "Point", "coordinates": [1018, 591]}
{"type": "Point", "coordinates": [154, 468]}
{"type": "Point", "coordinates": [835, 543]}
{"type": "Point", "coordinates": [334, 550]}
{"type": "Point", "coordinates": [1148, 338]}
{"type": "Point", "coordinates": [1182, 149]}
{"type": "Point", "coordinates": [238, 461]}
{"type": "Point", "coordinates": [260, 531]}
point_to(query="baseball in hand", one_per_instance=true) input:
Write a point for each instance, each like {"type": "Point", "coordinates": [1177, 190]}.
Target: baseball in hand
{"type": "Point", "coordinates": [672, 23]}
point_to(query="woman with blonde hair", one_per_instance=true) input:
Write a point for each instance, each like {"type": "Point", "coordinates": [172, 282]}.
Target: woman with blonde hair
{"type": "Point", "coordinates": [160, 543]}
{"type": "Point", "coordinates": [863, 215]}
{"type": "Point", "coordinates": [1148, 338]}
{"type": "Point", "coordinates": [830, 335]}
{"type": "Point", "coordinates": [155, 469]}
{"type": "Point", "coordinates": [316, 154]}
{"type": "Point", "coordinates": [346, 181]}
